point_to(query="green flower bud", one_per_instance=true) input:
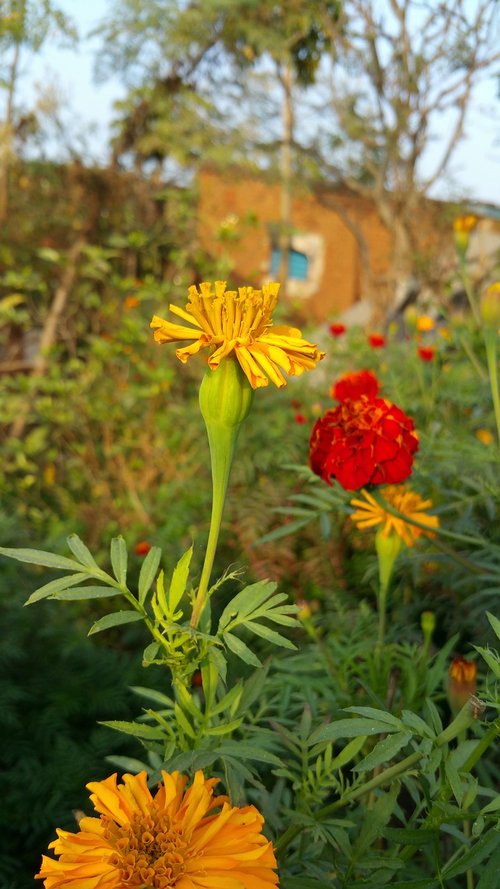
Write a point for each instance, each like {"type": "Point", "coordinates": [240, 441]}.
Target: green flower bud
{"type": "Point", "coordinates": [225, 395]}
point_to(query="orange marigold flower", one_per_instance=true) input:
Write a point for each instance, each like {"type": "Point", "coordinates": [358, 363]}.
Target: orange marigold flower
{"type": "Point", "coordinates": [178, 839]}
{"type": "Point", "coordinates": [370, 513]}
{"type": "Point", "coordinates": [364, 442]}
{"type": "Point", "coordinates": [425, 323]}
{"type": "Point", "coordinates": [354, 385]}
{"type": "Point", "coordinates": [376, 340]}
{"type": "Point", "coordinates": [426, 353]}
{"type": "Point", "coordinates": [142, 548]}
{"type": "Point", "coordinates": [484, 436]}
{"type": "Point", "coordinates": [131, 302]}
{"type": "Point", "coordinates": [337, 329]}
{"type": "Point", "coordinates": [465, 223]}
{"type": "Point", "coordinates": [462, 682]}
{"type": "Point", "coordinates": [239, 323]}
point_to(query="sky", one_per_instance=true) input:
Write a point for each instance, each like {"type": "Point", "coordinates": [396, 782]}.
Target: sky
{"type": "Point", "coordinates": [474, 173]}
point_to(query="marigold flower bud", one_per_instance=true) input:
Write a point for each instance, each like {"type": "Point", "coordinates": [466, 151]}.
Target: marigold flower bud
{"type": "Point", "coordinates": [462, 682]}
{"type": "Point", "coordinates": [225, 395]}
{"type": "Point", "coordinates": [462, 227]}
{"type": "Point", "coordinates": [489, 306]}
{"type": "Point", "coordinates": [428, 623]}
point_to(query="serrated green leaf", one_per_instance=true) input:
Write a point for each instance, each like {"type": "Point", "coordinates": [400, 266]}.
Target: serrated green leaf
{"type": "Point", "coordinates": [416, 724]}
{"type": "Point", "coordinates": [152, 694]}
{"type": "Point", "coordinates": [148, 572]}
{"type": "Point", "coordinates": [247, 601]}
{"type": "Point", "coordinates": [150, 652]}
{"type": "Point", "coordinates": [454, 779]}
{"type": "Point", "coordinates": [114, 620]}
{"type": "Point", "coordinates": [350, 750]}
{"type": "Point", "coordinates": [179, 580]}
{"type": "Point", "coordinates": [473, 856]}
{"type": "Point", "coordinates": [225, 729]}
{"type": "Point", "coordinates": [489, 872]}
{"type": "Point", "coordinates": [119, 558]}
{"type": "Point", "coordinates": [184, 723]}
{"type": "Point", "coordinates": [241, 650]}
{"type": "Point", "coordinates": [270, 635]}
{"type": "Point", "coordinates": [87, 592]}
{"type": "Point", "coordinates": [350, 728]}
{"type": "Point", "coordinates": [129, 764]}
{"type": "Point", "coordinates": [405, 836]}
{"type": "Point", "coordinates": [138, 729]}
{"type": "Point", "coordinates": [383, 751]}
{"type": "Point", "coordinates": [82, 552]}
{"type": "Point", "coordinates": [380, 715]}
{"type": "Point", "coordinates": [38, 557]}
{"type": "Point", "coordinates": [54, 586]}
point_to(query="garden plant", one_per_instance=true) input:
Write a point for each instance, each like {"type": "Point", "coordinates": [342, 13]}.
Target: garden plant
{"type": "Point", "coordinates": [344, 734]}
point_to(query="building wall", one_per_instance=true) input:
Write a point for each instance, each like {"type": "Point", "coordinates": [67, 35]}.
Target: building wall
{"type": "Point", "coordinates": [235, 213]}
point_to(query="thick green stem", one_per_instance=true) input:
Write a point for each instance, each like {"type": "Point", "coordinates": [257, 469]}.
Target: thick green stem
{"type": "Point", "coordinates": [222, 442]}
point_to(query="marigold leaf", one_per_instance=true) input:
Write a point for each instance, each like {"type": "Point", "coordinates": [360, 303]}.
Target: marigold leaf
{"type": "Point", "coordinates": [148, 572]}
{"type": "Point", "coordinates": [495, 623]}
{"type": "Point", "coordinates": [119, 559]}
{"type": "Point", "coordinates": [82, 552]}
{"type": "Point", "coordinates": [270, 635]}
{"type": "Point", "coordinates": [179, 580]}
{"type": "Point", "coordinates": [138, 729]}
{"type": "Point", "coordinates": [61, 583]}
{"type": "Point", "coordinates": [373, 713]}
{"type": "Point", "coordinates": [246, 602]}
{"type": "Point", "coordinates": [241, 650]}
{"type": "Point", "coordinates": [114, 620]}
{"type": "Point", "coordinates": [86, 592]}
{"type": "Point", "coordinates": [225, 729]}
{"type": "Point", "coordinates": [39, 557]}
{"type": "Point", "coordinates": [383, 751]}
{"type": "Point", "coordinates": [350, 728]}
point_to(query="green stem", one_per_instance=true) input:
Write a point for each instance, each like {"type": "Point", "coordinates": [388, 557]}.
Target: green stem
{"type": "Point", "coordinates": [468, 289]}
{"type": "Point", "coordinates": [490, 341]}
{"type": "Point", "coordinates": [222, 441]}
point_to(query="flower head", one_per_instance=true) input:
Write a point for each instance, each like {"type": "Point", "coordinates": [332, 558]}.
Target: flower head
{"type": "Point", "coordinates": [376, 340]}
{"type": "Point", "coordinates": [239, 323]}
{"type": "Point", "coordinates": [181, 838]}
{"type": "Point", "coordinates": [354, 385]}
{"type": "Point", "coordinates": [142, 548]}
{"type": "Point", "coordinates": [369, 441]}
{"type": "Point", "coordinates": [462, 682]}
{"type": "Point", "coordinates": [370, 513]}
{"type": "Point", "coordinates": [426, 353]}
{"type": "Point", "coordinates": [425, 323]}
{"type": "Point", "coordinates": [462, 227]}
{"type": "Point", "coordinates": [337, 329]}
{"type": "Point", "coordinates": [484, 436]}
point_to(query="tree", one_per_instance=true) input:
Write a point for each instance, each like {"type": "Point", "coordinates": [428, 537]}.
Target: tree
{"type": "Point", "coordinates": [24, 26]}
{"type": "Point", "coordinates": [402, 75]}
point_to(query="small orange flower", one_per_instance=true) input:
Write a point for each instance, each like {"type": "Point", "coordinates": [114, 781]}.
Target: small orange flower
{"type": "Point", "coordinates": [462, 682]}
{"type": "Point", "coordinates": [371, 514]}
{"type": "Point", "coordinates": [425, 323]}
{"type": "Point", "coordinates": [177, 839]}
{"type": "Point", "coordinates": [462, 227]}
{"type": "Point", "coordinates": [337, 329]}
{"type": "Point", "coordinates": [142, 548]}
{"type": "Point", "coordinates": [376, 340]}
{"type": "Point", "coordinates": [131, 302]}
{"type": "Point", "coordinates": [426, 353]}
{"type": "Point", "coordinates": [484, 436]}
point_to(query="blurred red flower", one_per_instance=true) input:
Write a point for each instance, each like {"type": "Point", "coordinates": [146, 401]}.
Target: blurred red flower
{"type": "Point", "coordinates": [353, 385]}
{"type": "Point", "coordinates": [426, 353]}
{"type": "Point", "coordinates": [376, 340]}
{"type": "Point", "coordinates": [300, 419]}
{"type": "Point", "coordinates": [337, 329]}
{"type": "Point", "coordinates": [142, 548]}
{"type": "Point", "coordinates": [364, 442]}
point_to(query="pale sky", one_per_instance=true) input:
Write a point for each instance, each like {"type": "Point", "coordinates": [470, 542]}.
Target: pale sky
{"type": "Point", "coordinates": [474, 173]}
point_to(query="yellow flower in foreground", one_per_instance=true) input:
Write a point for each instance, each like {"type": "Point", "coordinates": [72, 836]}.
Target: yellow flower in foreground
{"type": "Point", "coordinates": [240, 324]}
{"type": "Point", "coordinates": [184, 839]}
{"type": "Point", "coordinates": [370, 513]}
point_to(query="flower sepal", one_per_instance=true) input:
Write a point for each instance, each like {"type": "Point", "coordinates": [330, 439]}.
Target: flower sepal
{"type": "Point", "coordinates": [225, 395]}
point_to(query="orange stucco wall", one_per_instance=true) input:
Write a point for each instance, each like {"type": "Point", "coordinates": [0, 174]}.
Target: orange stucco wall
{"type": "Point", "coordinates": [254, 204]}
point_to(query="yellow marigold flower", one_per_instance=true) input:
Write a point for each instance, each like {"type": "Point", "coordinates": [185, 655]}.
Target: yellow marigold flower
{"type": "Point", "coordinates": [370, 513]}
{"type": "Point", "coordinates": [425, 323]}
{"type": "Point", "coordinates": [240, 323]}
{"type": "Point", "coordinates": [484, 436]}
{"type": "Point", "coordinates": [177, 839]}
{"type": "Point", "coordinates": [462, 227]}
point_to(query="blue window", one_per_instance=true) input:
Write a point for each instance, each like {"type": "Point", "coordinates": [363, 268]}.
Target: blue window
{"type": "Point", "coordinates": [298, 264]}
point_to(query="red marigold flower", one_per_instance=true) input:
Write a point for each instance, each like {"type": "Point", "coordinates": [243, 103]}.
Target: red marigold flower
{"type": "Point", "coordinates": [300, 419]}
{"type": "Point", "coordinates": [426, 353]}
{"type": "Point", "coordinates": [376, 340]}
{"type": "Point", "coordinates": [364, 442]}
{"type": "Point", "coordinates": [354, 385]}
{"type": "Point", "coordinates": [337, 329]}
{"type": "Point", "coordinates": [142, 548]}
